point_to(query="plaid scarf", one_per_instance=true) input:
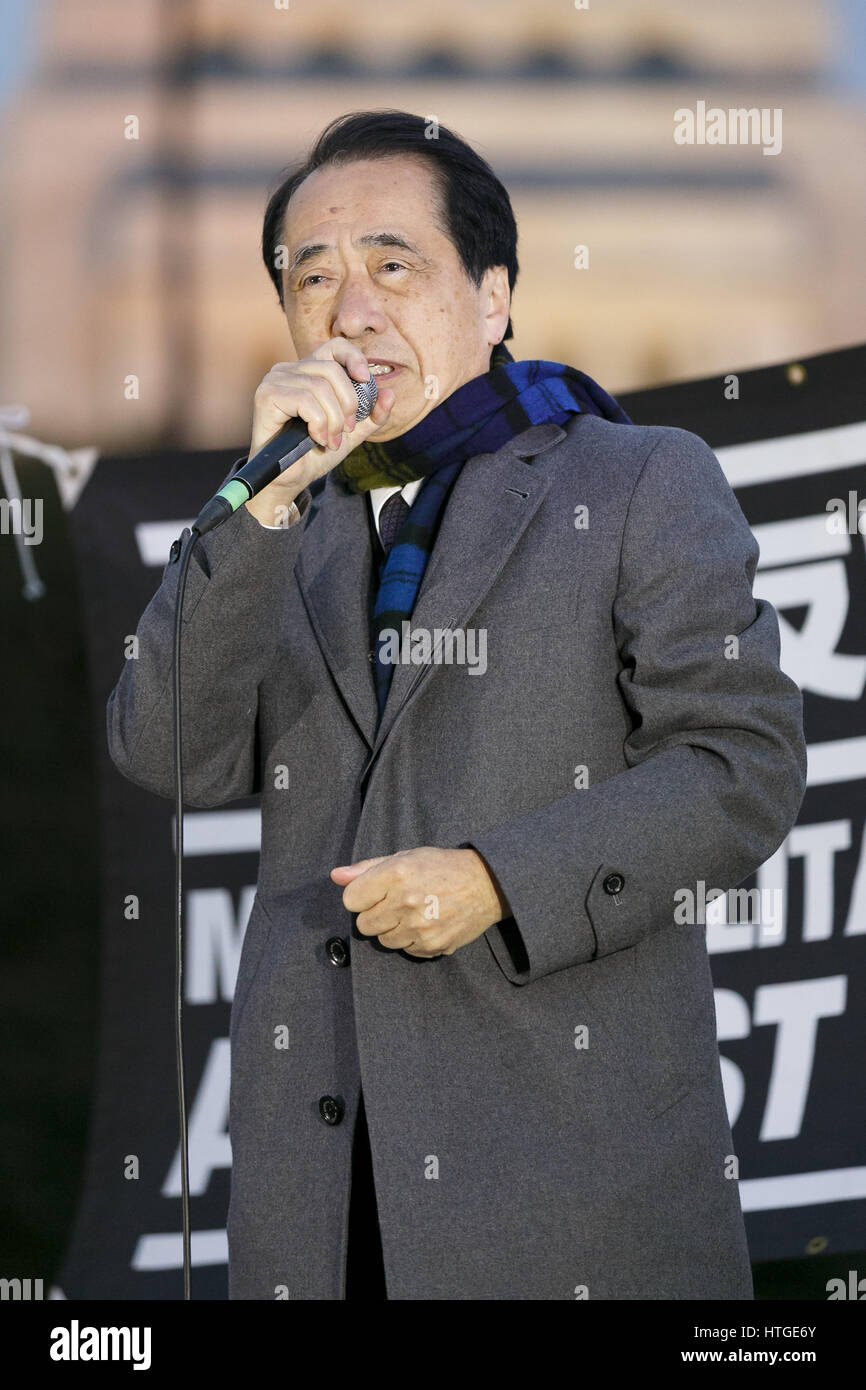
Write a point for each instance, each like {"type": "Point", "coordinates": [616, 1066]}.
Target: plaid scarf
{"type": "Point", "coordinates": [478, 418]}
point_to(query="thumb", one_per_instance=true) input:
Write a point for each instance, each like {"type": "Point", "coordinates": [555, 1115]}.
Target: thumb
{"type": "Point", "coordinates": [346, 873]}
{"type": "Point", "coordinates": [379, 416]}
{"type": "Point", "coordinates": [385, 402]}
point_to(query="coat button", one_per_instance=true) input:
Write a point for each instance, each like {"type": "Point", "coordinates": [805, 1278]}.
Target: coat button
{"type": "Point", "coordinates": [331, 1110]}
{"type": "Point", "coordinates": [614, 883]}
{"type": "Point", "coordinates": [338, 951]}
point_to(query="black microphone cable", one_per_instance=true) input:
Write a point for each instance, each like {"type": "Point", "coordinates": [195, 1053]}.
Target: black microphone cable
{"type": "Point", "coordinates": [185, 557]}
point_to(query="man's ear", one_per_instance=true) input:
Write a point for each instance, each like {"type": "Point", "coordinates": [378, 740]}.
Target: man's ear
{"type": "Point", "coordinates": [496, 302]}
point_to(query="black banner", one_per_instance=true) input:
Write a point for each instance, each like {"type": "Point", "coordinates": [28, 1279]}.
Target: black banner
{"type": "Point", "coordinates": [790, 977]}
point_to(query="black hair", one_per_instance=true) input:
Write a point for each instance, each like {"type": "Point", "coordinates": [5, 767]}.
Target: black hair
{"type": "Point", "coordinates": [476, 211]}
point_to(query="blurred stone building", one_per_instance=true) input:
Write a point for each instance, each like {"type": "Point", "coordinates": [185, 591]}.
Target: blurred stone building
{"type": "Point", "coordinates": [135, 306]}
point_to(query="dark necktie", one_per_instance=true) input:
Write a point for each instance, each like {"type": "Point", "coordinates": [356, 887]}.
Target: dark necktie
{"type": "Point", "coordinates": [391, 518]}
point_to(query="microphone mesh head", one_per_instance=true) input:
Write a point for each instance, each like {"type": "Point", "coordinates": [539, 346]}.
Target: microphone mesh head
{"type": "Point", "coordinates": [367, 391]}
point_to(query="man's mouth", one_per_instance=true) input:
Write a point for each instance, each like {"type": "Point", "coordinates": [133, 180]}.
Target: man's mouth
{"type": "Point", "coordinates": [384, 368]}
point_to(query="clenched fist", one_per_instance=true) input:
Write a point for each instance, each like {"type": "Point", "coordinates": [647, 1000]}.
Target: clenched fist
{"type": "Point", "coordinates": [425, 901]}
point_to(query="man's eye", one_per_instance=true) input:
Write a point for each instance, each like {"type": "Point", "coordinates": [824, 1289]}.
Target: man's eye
{"type": "Point", "coordinates": [308, 279]}
{"type": "Point", "coordinates": [397, 265]}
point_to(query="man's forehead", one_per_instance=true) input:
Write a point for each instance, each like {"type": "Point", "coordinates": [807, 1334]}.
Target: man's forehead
{"type": "Point", "coordinates": [369, 195]}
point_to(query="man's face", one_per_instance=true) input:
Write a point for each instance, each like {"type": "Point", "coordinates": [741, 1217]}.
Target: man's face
{"type": "Point", "coordinates": [368, 261]}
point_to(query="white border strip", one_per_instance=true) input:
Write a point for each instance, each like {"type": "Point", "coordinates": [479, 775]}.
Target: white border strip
{"type": "Point", "coordinates": [793, 455]}
{"type": "Point", "coordinates": [803, 1189]}
{"type": "Point", "coordinates": [155, 539]}
{"type": "Point", "coordinates": [166, 1251]}
{"type": "Point", "coordinates": [219, 832]}
{"type": "Point", "coordinates": [837, 760]}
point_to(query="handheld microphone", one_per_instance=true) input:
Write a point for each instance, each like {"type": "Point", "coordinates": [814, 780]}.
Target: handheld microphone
{"type": "Point", "coordinates": [291, 443]}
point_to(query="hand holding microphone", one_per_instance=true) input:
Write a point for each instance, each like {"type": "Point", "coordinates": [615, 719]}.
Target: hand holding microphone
{"type": "Point", "coordinates": [312, 410]}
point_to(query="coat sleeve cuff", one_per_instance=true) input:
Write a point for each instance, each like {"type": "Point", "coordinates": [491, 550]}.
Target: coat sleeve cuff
{"type": "Point", "coordinates": [523, 947]}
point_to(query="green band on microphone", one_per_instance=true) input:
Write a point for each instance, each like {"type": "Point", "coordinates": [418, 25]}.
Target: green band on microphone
{"type": "Point", "coordinates": [235, 492]}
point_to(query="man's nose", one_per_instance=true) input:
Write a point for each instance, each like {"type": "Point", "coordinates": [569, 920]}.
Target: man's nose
{"type": "Point", "coordinates": [357, 309]}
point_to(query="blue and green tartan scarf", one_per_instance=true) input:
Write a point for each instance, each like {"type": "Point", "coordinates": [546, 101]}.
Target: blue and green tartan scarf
{"type": "Point", "coordinates": [478, 418]}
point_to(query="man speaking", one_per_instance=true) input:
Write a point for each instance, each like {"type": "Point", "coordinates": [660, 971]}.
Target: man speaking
{"type": "Point", "coordinates": [502, 685]}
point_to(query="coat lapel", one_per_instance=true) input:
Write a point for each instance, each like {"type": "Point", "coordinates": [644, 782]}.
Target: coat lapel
{"type": "Point", "coordinates": [333, 573]}
{"type": "Point", "coordinates": [491, 503]}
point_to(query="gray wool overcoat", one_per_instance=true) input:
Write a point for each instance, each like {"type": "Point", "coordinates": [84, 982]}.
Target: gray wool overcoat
{"type": "Point", "coordinates": [545, 1105]}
